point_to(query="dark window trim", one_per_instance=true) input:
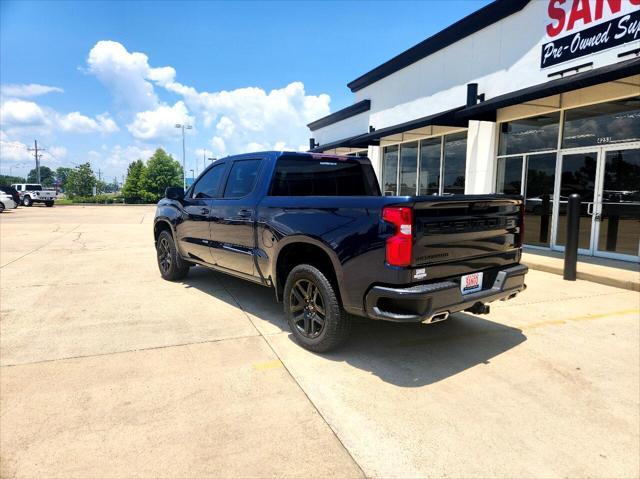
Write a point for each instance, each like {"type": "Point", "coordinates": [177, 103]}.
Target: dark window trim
{"type": "Point", "coordinates": [348, 112]}
{"type": "Point", "coordinates": [479, 20]}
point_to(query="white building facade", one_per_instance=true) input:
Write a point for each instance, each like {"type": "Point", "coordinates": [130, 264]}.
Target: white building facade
{"type": "Point", "coordinates": [539, 98]}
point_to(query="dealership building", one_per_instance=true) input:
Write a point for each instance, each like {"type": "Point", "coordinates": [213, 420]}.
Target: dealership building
{"type": "Point", "coordinates": [539, 98]}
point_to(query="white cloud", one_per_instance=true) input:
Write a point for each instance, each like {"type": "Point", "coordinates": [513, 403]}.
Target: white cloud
{"type": "Point", "coordinates": [124, 74]}
{"type": "Point", "coordinates": [77, 123]}
{"type": "Point", "coordinates": [17, 113]}
{"type": "Point", "coordinates": [13, 151]}
{"type": "Point", "coordinates": [27, 91]}
{"type": "Point", "coordinates": [242, 119]}
{"type": "Point", "coordinates": [153, 125]}
{"type": "Point", "coordinates": [121, 157]}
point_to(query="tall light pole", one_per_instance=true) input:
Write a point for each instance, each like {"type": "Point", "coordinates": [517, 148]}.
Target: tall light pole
{"type": "Point", "coordinates": [184, 172]}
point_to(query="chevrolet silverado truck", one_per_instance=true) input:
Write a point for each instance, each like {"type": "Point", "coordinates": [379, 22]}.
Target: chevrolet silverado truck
{"type": "Point", "coordinates": [31, 193]}
{"type": "Point", "coordinates": [316, 229]}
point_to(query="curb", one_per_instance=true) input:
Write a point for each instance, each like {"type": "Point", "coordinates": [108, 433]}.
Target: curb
{"type": "Point", "coordinates": [594, 278]}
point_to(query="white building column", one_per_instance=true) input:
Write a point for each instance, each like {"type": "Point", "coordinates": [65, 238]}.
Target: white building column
{"type": "Point", "coordinates": [481, 157]}
{"type": "Point", "coordinates": [373, 152]}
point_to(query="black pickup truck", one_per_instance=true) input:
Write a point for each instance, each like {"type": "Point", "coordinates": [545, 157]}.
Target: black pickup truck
{"type": "Point", "coordinates": [316, 229]}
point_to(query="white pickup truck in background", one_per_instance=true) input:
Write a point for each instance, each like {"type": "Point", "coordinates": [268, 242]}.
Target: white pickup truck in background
{"type": "Point", "coordinates": [31, 193]}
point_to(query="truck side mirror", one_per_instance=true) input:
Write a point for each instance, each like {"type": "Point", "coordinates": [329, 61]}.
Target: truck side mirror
{"type": "Point", "coordinates": [174, 193]}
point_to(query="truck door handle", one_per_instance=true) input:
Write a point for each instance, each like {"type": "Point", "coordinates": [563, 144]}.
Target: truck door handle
{"type": "Point", "coordinates": [204, 211]}
{"type": "Point", "coordinates": [244, 213]}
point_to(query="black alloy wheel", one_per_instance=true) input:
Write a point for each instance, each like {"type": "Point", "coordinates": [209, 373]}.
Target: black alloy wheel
{"type": "Point", "coordinates": [172, 267]}
{"type": "Point", "coordinates": [164, 255]}
{"type": "Point", "coordinates": [307, 307]}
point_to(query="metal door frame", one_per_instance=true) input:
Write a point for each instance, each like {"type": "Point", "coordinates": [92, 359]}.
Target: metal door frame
{"type": "Point", "coordinates": [596, 205]}
{"type": "Point", "coordinates": [598, 202]}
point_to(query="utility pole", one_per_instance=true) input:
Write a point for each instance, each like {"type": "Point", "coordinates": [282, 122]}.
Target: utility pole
{"type": "Point", "coordinates": [184, 171]}
{"type": "Point", "coordinates": [37, 157]}
{"type": "Point", "coordinates": [99, 175]}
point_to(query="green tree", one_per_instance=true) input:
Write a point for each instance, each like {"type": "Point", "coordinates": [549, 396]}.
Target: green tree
{"type": "Point", "coordinates": [161, 172]}
{"type": "Point", "coordinates": [6, 180]}
{"type": "Point", "coordinates": [80, 181]}
{"type": "Point", "coordinates": [46, 176]}
{"type": "Point", "coordinates": [132, 190]}
{"type": "Point", "coordinates": [62, 173]}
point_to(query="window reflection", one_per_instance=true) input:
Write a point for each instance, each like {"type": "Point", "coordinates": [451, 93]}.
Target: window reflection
{"type": "Point", "coordinates": [620, 219]}
{"type": "Point", "coordinates": [430, 166]}
{"type": "Point", "coordinates": [509, 177]}
{"type": "Point", "coordinates": [455, 160]}
{"type": "Point", "coordinates": [539, 184]}
{"type": "Point", "coordinates": [390, 171]}
{"type": "Point", "coordinates": [602, 124]}
{"type": "Point", "coordinates": [408, 168]}
{"type": "Point", "coordinates": [528, 135]}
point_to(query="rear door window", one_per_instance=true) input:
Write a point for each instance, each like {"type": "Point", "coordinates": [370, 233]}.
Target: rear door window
{"type": "Point", "coordinates": [242, 178]}
{"type": "Point", "coordinates": [323, 176]}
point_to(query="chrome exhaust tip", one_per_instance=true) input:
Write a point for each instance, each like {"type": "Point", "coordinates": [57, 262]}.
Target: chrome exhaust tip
{"type": "Point", "coordinates": [438, 317]}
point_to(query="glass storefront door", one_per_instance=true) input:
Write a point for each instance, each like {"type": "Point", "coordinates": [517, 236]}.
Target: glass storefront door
{"type": "Point", "coordinates": [608, 182]}
{"type": "Point", "coordinates": [618, 211]}
{"type": "Point", "coordinates": [577, 175]}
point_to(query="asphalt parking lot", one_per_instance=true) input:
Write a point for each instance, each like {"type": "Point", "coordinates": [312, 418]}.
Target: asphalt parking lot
{"type": "Point", "coordinates": [106, 370]}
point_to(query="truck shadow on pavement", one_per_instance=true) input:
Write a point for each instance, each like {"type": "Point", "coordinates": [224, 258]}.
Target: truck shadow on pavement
{"type": "Point", "coordinates": [406, 355]}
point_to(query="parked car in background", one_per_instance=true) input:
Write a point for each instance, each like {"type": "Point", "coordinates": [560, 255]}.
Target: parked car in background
{"type": "Point", "coordinates": [11, 191]}
{"type": "Point", "coordinates": [31, 193]}
{"type": "Point", "coordinates": [317, 229]}
{"type": "Point", "coordinates": [6, 202]}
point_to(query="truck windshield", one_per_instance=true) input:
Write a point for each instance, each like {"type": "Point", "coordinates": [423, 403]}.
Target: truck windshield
{"type": "Point", "coordinates": [34, 188]}
{"type": "Point", "coordinates": [323, 176]}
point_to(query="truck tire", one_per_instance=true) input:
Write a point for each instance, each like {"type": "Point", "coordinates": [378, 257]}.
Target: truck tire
{"type": "Point", "coordinates": [172, 267]}
{"type": "Point", "coordinates": [313, 311]}
{"type": "Point", "coordinates": [1, 207]}
{"type": "Point", "coordinates": [48, 204]}
{"type": "Point", "coordinates": [26, 201]}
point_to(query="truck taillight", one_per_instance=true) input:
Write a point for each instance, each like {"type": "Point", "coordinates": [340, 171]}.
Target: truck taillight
{"type": "Point", "coordinates": [400, 245]}
{"type": "Point", "coordinates": [521, 226]}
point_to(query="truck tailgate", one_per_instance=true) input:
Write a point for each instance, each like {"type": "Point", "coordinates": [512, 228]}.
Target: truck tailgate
{"type": "Point", "coordinates": [456, 229]}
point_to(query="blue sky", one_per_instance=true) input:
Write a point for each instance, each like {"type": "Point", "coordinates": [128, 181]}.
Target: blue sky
{"type": "Point", "coordinates": [106, 81]}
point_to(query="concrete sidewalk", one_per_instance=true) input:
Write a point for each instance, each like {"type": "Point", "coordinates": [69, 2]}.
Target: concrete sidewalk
{"type": "Point", "coordinates": [106, 370]}
{"type": "Point", "coordinates": [619, 274]}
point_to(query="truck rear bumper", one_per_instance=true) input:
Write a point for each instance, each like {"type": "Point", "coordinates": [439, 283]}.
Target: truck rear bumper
{"type": "Point", "coordinates": [436, 300]}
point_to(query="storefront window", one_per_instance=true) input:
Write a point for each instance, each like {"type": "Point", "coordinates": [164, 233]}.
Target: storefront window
{"type": "Point", "coordinates": [408, 168]}
{"type": "Point", "coordinates": [601, 124]}
{"type": "Point", "coordinates": [430, 166]}
{"type": "Point", "coordinates": [418, 163]}
{"type": "Point", "coordinates": [390, 171]}
{"type": "Point", "coordinates": [455, 161]}
{"type": "Point", "coordinates": [509, 177]}
{"type": "Point", "coordinates": [538, 133]}
{"type": "Point", "coordinates": [539, 183]}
